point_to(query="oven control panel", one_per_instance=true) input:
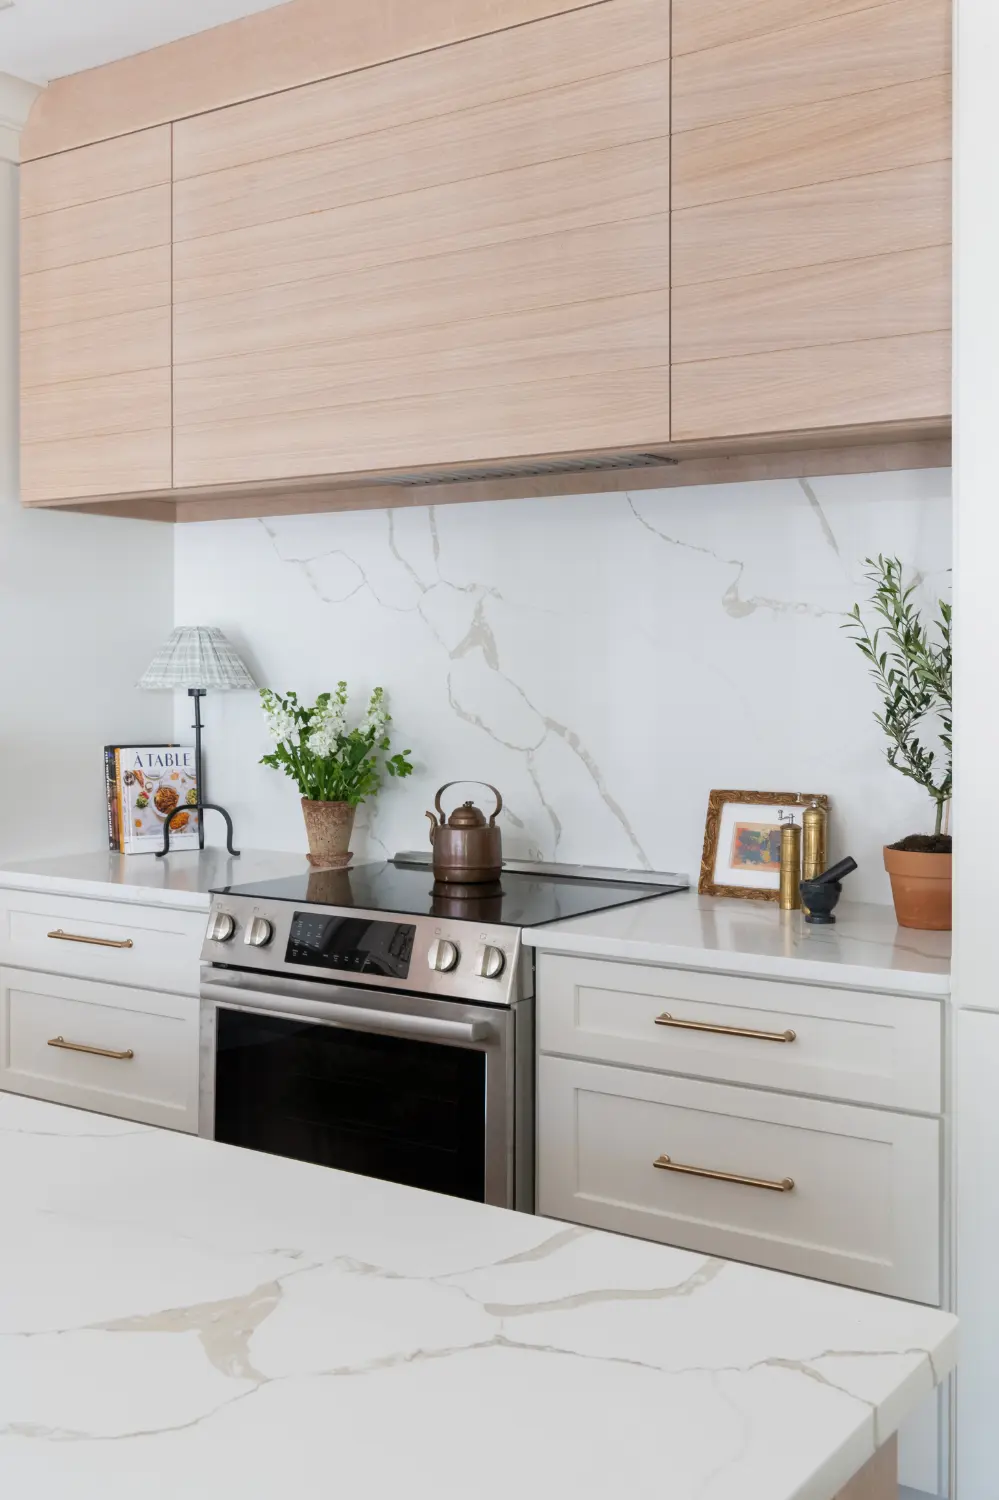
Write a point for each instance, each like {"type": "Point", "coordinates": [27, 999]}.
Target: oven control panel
{"type": "Point", "coordinates": [463, 960]}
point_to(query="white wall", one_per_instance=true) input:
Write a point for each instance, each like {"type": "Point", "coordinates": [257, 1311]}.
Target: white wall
{"type": "Point", "coordinates": [84, 602]}
{"type": "Point", "coordinates": [976, 415]}
{"type": "Point", "coordinates": [605, 660]}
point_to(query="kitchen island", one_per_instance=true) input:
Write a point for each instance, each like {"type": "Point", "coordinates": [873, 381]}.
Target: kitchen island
{"type": "Point", "coordinates": [178, 1317]}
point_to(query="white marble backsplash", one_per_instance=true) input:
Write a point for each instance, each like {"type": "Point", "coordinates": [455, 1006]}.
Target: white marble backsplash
{"type": "Point", "coordinates": [604, 659]}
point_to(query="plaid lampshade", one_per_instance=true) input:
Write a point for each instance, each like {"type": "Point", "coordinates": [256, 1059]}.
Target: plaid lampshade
{"type": "Point", "coordinates": [197, 656]}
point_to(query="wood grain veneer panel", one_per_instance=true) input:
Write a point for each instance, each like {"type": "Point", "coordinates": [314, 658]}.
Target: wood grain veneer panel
{"type": "Point", "coordinates": [105, 171]}
{"type": "Point", "coordinates": [95, 347]}
{"type": "Point", "coordinates": [96, 379]}
{"type": "Point", "coordinates": [489, 70]}
{"type": "Point", "coordinates": [552, 197]}
{"type": "Point", "coordinates": [97, 406]}
{"type": "Point", "coordinates": [878, 1479]}
{"type": "Point", "coordinates": [880, 297]}
{"type": "Point", "coordinates": [96, 289]}
{"type": "Point", "coordinates": [871, 215]}
{"type": "Point", "coordinates": [276, 49]}
{"type": "Point", "coordinates": [603, 337]}
{"type": "Point", "coordinates": [592, 115]}
{"type": "Point", "coordinates": [111, 227]}
{"type": "Point", "coordinates": [496, 422]}
{"type": "Point", "coordinates": [101, 464]}
{"type": "Point", "coordinates": [699, 24]}
{"type": "Point", "coordinates": [822, 60]}
{"type": "Point", "coordinates": [500, 282]}
{"type": "Point", "coordinates": [877, 380]}
{"type": "Point", "coordinates": [779, 149]}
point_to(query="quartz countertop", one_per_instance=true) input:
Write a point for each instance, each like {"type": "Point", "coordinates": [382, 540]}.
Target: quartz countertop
{"type": "Point", "coordinates": [182, 879]}
{"type": "Point", "coordinates": [179, 1317]}
{"type": "Point", "coordinates": [865, 949]}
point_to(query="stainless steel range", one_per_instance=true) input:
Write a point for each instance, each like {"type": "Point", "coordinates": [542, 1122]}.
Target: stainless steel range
{"type": "Point", "coordinates": [366, 1020]}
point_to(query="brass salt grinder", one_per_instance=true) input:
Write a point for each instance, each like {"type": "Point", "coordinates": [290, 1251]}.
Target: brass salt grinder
{"type": "Point", "coordinates": [790, 867]}
{"type": "Point", "coordinates": [814, 824]}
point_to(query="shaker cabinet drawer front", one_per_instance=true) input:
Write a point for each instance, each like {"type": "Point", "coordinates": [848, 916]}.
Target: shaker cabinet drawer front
{"type": "Point", "coordinates": [132, 1053]}
{"type": "Point", "coordinates": [826, 1190]}
{"type": "Point", "coordinates": [809, 1039]}
{"type": "Point", "coordinates": [136, 945]}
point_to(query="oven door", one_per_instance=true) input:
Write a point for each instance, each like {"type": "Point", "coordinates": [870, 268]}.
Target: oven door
{"type": "Point", "coordinates": [401, 1087]}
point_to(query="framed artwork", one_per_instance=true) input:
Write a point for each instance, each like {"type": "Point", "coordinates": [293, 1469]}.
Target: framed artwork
{"type": "Point", "coordinates": [742, 841]}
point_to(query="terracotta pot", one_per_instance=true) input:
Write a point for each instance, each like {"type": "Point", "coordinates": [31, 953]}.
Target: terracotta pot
{"type": "Point", "coordinates": [329, 826]}
{"type": "Point", "coordinates": [921, 889]}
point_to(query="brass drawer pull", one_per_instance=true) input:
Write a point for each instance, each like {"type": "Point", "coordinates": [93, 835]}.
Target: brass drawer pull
{"type": "Point", "coordinates": [60, 1041]}
{"type": "Point", "coordinates": [785, 1185]}
{"type": "Point", "coordinates": [758, 1036]}
{"type": "Point", "coordinates": [72, 937]}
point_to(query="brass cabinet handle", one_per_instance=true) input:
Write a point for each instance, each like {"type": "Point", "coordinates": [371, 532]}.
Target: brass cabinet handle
{"type": "Point", "coordinates": [759, 1036]}
{"type": "Point", "coordinates": [72, 937]}
{"type": "Point", "coordinates": [785, 1185]}
{"type": "Point", "coordinates": [60, 1041]}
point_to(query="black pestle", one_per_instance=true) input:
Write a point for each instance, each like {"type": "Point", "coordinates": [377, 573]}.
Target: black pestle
{"type": "Point", "coordinates": [836, 872]}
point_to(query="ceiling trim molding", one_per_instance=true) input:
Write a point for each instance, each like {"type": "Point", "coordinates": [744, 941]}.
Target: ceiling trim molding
{"type": "Point", "coordinates": [17, 96]}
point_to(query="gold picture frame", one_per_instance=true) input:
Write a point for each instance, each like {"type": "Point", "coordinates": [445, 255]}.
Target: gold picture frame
{"type": "Point", "coordinates": [756, 876]}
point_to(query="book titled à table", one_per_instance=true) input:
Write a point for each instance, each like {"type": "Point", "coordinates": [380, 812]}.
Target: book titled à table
{"type": "Point", "coordinates": [145, 784]}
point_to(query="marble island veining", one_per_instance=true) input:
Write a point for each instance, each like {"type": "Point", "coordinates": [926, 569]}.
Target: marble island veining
{"type": "Point", "coordinates": [179, 1317]}
{"type": "Point", "coordinates": [865, 949]}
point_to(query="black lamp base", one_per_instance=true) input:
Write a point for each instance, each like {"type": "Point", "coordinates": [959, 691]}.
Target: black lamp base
{"type": "Point", "coordinates": [198, 807]}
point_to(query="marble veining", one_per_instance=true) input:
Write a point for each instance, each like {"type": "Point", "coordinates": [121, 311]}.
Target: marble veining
{"type": "Point", "coordinates": [604, 659]}
{"type": "Point", "coordinates": [865, 948]}
{"type": "Point", "coordinates": [179, 1317]}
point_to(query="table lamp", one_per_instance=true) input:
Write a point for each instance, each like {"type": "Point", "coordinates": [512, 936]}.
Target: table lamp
{"type": "Point", "coordinates": [197, 657]}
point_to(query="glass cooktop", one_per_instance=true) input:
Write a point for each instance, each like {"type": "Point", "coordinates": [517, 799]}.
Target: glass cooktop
{"type": "Point", "coordinates": [517, 900]}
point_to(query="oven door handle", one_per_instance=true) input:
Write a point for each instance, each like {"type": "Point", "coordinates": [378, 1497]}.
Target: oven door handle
{"type": "Point", "coordinates": [353, 1017]}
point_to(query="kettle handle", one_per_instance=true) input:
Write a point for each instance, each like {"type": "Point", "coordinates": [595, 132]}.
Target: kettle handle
{"type": "Point", "coordinates": [448, 784]}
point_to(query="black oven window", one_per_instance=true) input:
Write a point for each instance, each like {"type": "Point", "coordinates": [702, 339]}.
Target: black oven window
{"type": "Point", "coordinates": [405, 1111]}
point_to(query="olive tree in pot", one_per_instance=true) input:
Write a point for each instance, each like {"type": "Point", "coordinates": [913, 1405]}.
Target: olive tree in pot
{"type": "Point", "coordinates": [910, 661]}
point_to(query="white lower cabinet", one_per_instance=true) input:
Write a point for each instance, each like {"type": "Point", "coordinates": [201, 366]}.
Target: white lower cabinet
{"type": "Point", "coordinates": [834, 1191]}
{"type": "Point", "coordinates": [106, 1047]}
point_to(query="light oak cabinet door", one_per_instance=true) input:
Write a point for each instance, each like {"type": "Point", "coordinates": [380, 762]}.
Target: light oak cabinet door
{"type": "Point", "coordinates": [455, 257]}
{"type": "Point", "coordinates": [811, 215]}
{"type": "Point", "coordinates": [96, 320]}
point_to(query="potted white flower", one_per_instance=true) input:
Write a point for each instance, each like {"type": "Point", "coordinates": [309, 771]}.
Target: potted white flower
{"type": "Point", "coordinates": [334, 767]}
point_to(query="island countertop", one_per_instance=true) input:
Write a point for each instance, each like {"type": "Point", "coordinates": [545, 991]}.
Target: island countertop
{"type": "Point", "coordinates": [179, 1317]}
{"type": "Point", "coordinates": [864, 949]}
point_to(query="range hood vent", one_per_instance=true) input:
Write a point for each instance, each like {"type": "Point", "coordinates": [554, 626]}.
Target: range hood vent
{"type": "Point", "coordinates": [532, 469]}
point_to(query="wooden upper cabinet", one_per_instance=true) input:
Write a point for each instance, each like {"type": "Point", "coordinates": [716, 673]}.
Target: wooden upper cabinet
{"type": "Point", "coordinates": [811, 214]}
{"type": "Point", "coordinates": [95, 320]}
{"type": "Point", "coordinates": [458, 257]}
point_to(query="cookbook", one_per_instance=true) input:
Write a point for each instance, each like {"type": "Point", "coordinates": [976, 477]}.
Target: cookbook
{"type": "Point", "coordinates": [145, 784]}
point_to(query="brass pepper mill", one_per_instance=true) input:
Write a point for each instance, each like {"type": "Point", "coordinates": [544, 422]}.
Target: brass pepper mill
{"type": "Point", "coordinates": [814, 823]}
{"type": "Point", "coordinates": [790, 867]}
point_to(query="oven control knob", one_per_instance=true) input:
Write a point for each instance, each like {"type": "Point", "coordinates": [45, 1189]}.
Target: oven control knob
{"type": "Point", "coordinates": [221, 928]}
{"type": "Point", "coordinates": [490, 963]}
{"type": "Point", "coordinates": [444, 956]}
{"type": "Point", "coordinates": [259, 933]}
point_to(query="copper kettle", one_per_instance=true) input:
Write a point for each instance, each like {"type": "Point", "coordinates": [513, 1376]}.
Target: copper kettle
{"type": "Point", "coordinates": [467, 849]}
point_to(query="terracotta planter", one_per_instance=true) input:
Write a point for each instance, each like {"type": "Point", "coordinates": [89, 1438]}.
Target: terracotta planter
{"type": "Point", "coordinates": [329, 826]}
{"type": "Point", "coordinates": [921, 889]}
